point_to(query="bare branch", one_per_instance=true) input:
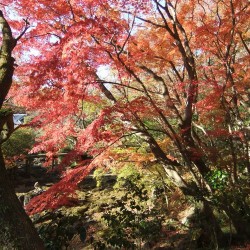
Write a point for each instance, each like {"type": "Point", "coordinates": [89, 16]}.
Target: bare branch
{"type": "Point", "coordinates": [244, 43]}
{"type": "Point", "coordinates": [26, 27]}
{"type": "Point", "coordinates": [145, 20]}
{"type": "Point", "coordinates": [71, 10]}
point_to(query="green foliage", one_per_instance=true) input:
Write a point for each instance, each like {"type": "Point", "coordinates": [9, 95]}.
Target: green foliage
{"type": "Point", "coordinates": [98, 175]}
{"type": "Point", "coordinates": [5, 111]}
{"type": "Point", "coordinates": [152, 178]}
{"type": "Point", "coordinates": [127, 173]}
{"type": "Point", "coordinates": [92, 110]}
{"type": "Point", "coordinates": [57, 233]}
{"type": "Point", "coordinates": [218, 179]}
{"type": "Point", "coordinates": [130, 221]}
{"type": "Point", "coordinates": [19, 142]}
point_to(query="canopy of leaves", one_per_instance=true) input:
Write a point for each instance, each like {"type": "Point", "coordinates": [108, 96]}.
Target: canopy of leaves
{"type": "Point", "coordinates": [170, 75]}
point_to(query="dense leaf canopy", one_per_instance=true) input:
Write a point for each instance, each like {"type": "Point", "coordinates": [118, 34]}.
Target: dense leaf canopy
{"type": "Point", "coordinates": [145, 82]}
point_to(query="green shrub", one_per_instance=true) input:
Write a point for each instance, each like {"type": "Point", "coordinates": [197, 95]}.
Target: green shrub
{"type": "Point", "coordinates": [19, 143]}
{"type": "Point", "coordinates": [129, 221]}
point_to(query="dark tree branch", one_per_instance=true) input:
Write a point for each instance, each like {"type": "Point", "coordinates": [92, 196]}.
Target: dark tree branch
{"type": "Point", "coordinates": [71, 10]}
{"type": "Point", "coordinates": [26, 27]}
{"type": "Point", "coordinates": [6, 60]}
{"type": "Point", "coordinates": [244, 43]}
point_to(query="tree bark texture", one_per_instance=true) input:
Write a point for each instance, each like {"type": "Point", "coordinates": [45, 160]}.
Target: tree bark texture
{"type": "Point", "coordinates": [16, 228]}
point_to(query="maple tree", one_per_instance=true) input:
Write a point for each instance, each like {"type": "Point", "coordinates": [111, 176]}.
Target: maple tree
{"type": "Point", "coordinates": [16, 229]}
{"type": "Point", "coordinates": [172, 76]}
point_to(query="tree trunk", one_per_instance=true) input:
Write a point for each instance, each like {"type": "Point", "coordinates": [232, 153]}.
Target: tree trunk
{"type": "Point", "coordinates": [240, 221]}
{"type": "Point", "coordinates": [209, 234]}
{"type": "Point", "coordinates": [241, 226]}
{"type": "Point", "coordinates": [212, 230]}
{"type": "Point", "coordinates": [16, 228]}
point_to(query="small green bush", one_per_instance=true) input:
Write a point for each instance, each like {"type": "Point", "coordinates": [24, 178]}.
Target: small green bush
{"type": "Point", "coordinates": [19, 143]}
{"type": "Point", "coordinates": [130, 222]}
